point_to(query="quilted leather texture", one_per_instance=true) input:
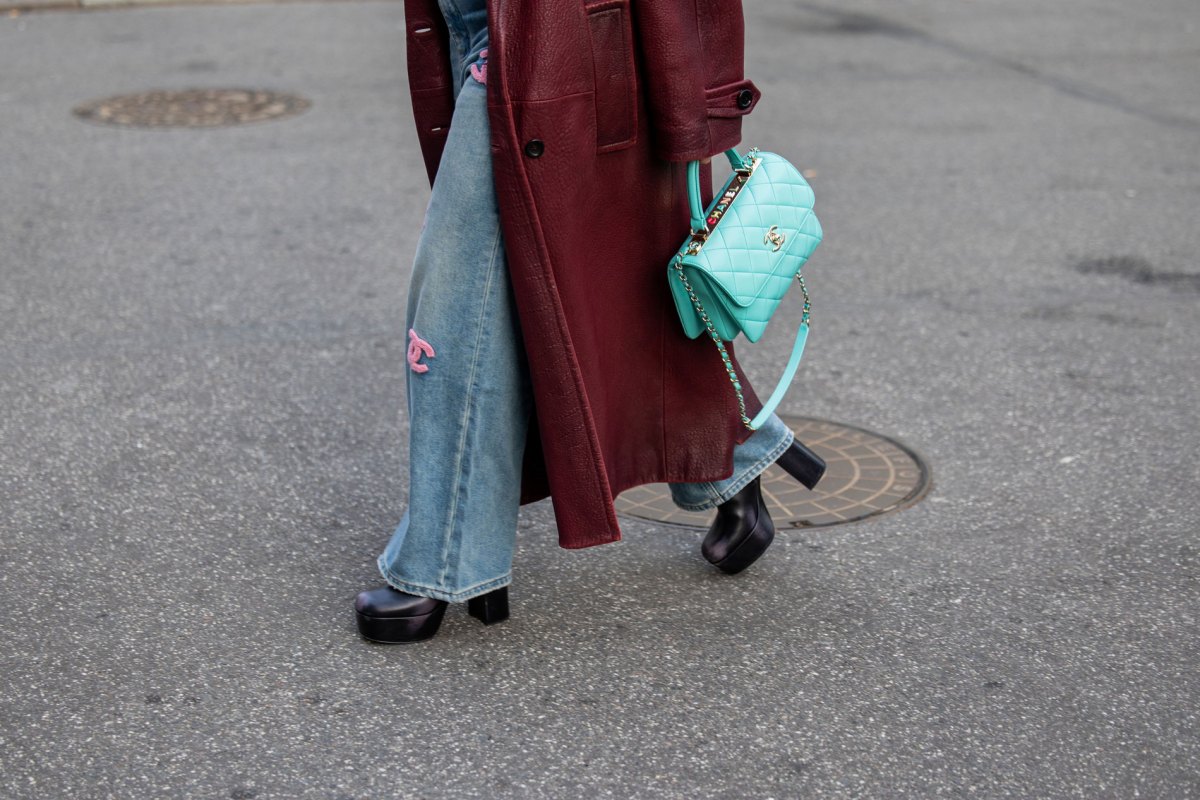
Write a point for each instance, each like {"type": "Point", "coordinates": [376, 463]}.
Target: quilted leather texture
{"type": "Point", "coordinates": [737, 275]}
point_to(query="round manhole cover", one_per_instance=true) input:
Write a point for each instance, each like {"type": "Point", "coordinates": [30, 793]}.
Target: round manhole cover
{"type": "Point", "coordinates": [191, 108]}
{"type": "Point", "coordinates": [867, 474]}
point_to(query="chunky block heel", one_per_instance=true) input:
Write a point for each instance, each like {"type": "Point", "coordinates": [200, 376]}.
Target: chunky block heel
{"type": "Point", "coordinates": [490, 608]}
{"type": "Point", "coordinates": [802, 464]}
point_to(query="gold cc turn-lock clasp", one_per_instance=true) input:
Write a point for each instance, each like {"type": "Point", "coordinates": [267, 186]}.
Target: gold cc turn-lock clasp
{"type": "Point", "coordinates": [772, 236]}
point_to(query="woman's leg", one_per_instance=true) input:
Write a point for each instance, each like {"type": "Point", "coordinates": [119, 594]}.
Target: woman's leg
{"type": "Point", "coordinates": [750, 458]}
{"type": "Point", "coordinates": [468, 391]}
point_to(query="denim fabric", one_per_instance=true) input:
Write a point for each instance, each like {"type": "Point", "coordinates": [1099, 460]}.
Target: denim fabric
{"type": "Point", "coordinates": [467, 22]}
{"type": "Point", "coordinates": [468, 389]}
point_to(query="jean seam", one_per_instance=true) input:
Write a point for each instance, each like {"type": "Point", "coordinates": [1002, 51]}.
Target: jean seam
{"type": "Point", "coordinates": [743, 478]}
{"type": "Point", "coordinates": [474, 590]}
{"type": "Point", "coordinates": [460, 456]}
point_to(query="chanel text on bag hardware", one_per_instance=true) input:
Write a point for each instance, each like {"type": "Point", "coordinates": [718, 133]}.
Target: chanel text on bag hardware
{"type": "Point", "coordinates": [740, 178]}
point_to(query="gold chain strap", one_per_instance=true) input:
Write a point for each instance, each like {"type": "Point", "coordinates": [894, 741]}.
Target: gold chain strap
{"type": "Point", "coordinates": [716, 337]}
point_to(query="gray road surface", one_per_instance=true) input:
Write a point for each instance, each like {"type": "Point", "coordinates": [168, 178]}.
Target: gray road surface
{"type": "Point", "coordinates": [202, 436]}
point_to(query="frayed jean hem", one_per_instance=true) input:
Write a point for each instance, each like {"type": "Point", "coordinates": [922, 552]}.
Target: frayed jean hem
{"type": "Point", "coordinates": [441, 594]}
{"type": "Point", "coordinates": [738, 482]}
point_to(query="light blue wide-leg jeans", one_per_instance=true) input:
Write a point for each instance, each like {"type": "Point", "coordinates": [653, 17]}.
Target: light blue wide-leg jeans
{"type": "Point", "coordinates": [468, 389]}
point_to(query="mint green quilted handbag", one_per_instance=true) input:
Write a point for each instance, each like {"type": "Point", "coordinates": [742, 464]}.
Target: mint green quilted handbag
{"type": "Point", "coordinates": [731, 273]}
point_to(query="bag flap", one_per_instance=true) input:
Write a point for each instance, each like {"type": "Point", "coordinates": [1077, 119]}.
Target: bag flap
{"type": "Point", "coordinates": [765, 238]}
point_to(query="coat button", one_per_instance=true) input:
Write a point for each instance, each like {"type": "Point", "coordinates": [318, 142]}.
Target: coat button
{"type": "Point", "coordinates": [745, 98]}
{"type": "Point", "coordinates": [534, 148]}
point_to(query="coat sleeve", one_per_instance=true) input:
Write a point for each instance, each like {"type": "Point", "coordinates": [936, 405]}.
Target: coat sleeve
{"type": "Point", "coordinates": [693, 57]}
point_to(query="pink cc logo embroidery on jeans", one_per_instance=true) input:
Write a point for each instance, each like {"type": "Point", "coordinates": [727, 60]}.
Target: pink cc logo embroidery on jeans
{"type": "Point", "coordinates": [416, 348]}
{"type": "Point", "coordinates": [479, 68]}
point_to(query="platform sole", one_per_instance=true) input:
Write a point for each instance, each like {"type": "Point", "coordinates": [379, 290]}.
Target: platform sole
{"type": "Point", "coordinates": [400, 630]}
{"type": "Point", "coordinates": [751, 548]}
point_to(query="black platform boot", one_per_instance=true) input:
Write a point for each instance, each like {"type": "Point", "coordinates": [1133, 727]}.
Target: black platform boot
{"type": "Point", "coordinates": [390, 616]}
{"type": "Point", "coordinates": [741, 532]}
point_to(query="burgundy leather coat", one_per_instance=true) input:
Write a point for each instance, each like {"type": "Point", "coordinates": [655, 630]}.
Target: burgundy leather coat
{"type": "Point", "coordinates": [596, 106]}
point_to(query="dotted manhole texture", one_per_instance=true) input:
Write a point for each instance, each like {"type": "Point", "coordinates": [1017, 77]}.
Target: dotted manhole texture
{"type": "Point", "coordinates": [191, 108]}
{"type": "Point", "coordinates": [867, 474]}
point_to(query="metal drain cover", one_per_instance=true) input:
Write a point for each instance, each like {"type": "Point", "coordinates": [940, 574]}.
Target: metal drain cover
{"type": "Point", "coordinates": [868, 474]}
{"type": "Point", "coordinates": [191, 108]}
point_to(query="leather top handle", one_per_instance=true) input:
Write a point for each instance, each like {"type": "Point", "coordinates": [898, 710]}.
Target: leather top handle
{"type": "Point", "coordinates": [693, 177]}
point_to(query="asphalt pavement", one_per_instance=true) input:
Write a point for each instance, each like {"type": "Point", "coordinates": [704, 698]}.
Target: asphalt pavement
{"type": "Point", "coordinates": [202, 435]}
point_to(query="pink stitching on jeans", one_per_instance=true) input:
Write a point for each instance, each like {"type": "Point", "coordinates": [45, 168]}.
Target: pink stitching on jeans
{"type": "Point", "coordinates": [416, 348]}
{"type": "Point", "coordinates": [477, 72]}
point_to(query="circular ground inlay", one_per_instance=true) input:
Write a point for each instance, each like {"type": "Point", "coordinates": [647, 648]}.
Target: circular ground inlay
{"type": "Point", "coordinates": [191, 108]}
{"type": "Point", "coordinates": [867, 474]}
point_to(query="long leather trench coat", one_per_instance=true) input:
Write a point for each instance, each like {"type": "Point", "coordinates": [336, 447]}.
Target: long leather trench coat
{"type": "Point", "coordinates": [595, 107]}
